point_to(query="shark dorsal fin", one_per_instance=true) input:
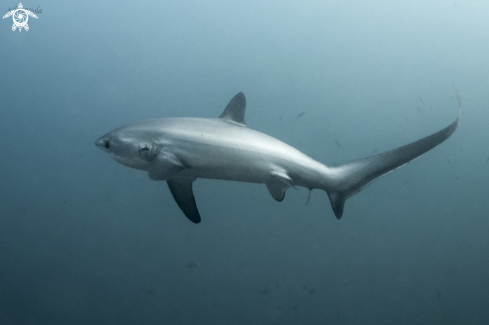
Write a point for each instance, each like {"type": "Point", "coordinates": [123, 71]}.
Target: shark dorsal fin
{"type": "Point", "coordinates": [235, 110]}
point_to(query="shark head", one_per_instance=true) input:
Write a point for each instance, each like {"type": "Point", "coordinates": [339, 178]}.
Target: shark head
{"type": "Point", "coordinates": [130, 146]}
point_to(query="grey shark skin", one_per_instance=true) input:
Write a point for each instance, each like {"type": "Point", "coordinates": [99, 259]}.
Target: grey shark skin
{"type": "Point", "coordinates": [180, 150]}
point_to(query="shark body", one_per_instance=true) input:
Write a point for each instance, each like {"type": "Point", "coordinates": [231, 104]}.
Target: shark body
{"type": "Point", "coordinates": [180, 150]}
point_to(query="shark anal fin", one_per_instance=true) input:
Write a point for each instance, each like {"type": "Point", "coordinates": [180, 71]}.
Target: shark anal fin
{"type": "Point", "coordinates": [337, 203]}
{"type": "Point", "coordinates": [181, 189]}
{"type": "Point", "coordinates": [235, 110]}
{"type": "Point", "coordinates": [164, 166]}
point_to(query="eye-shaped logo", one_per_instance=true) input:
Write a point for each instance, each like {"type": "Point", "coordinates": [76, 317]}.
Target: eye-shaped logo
{"type": "Point", "coordinates": [20, 17]}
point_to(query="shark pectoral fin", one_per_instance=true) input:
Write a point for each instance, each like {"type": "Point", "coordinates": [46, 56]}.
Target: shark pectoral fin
{"type": "Point", "coordinates": [235, 110]}
{"type": "Point", "coordinates": [164, 166]}
{"type": "Point", "coordinates": [181, 189]}
{"type": "Point", "coordinates": [277, 191]}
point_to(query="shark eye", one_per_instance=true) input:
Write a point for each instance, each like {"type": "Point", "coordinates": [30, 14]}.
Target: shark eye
{"type": "Point", "coordinates": [107, 144]}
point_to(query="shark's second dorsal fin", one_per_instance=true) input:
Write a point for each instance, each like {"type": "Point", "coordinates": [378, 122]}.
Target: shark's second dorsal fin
{"type": "Point", "coordinates": [235, 110]}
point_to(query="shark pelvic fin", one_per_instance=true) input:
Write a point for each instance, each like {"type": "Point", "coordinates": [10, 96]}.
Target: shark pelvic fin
{"type": "Point", "coordinates": [235, 110]}
{"type": "Point", "coordinates": [280, 181]}
{"type": "Point", "coordinates": [277, 191]}
{"type": "Point", "coordinates": [181, 189]}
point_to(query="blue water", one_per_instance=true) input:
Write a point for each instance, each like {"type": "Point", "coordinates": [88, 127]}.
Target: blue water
{"type": "Point", "coordinates": [85, 240]}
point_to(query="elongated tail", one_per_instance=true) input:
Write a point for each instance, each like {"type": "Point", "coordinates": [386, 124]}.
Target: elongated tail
{"type": "Point", "coordinates": [351, 178]}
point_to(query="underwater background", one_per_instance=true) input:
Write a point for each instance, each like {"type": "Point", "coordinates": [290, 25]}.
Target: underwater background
{"type": "Point", "coordinates": [85, 240]}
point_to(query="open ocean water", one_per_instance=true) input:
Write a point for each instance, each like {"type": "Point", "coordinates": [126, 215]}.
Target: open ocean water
{"type": "Point", "coordinates": [85, 240]}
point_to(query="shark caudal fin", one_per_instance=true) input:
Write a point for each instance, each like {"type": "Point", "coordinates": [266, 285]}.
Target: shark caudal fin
{"type": "Point", "coordinates": [351, 178]}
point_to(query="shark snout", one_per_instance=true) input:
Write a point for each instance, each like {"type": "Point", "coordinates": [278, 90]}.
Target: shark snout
{"type": "Point", "coordinates": [103, 143]}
